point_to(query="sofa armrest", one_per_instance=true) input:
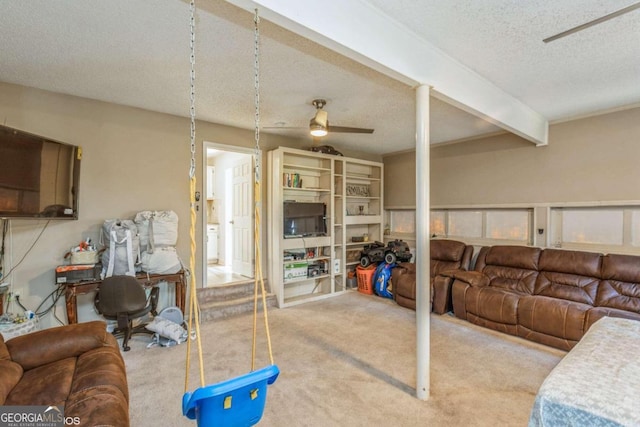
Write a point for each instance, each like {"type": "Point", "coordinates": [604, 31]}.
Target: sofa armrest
{"type": "Point", "coordinates": [405, 268]}
{"type": "Point", "coordinates": [50, 345]}
{"type": "Point", "coordinates": [472, 278]}
{"type": "Point", "coordinates": [441, 294]}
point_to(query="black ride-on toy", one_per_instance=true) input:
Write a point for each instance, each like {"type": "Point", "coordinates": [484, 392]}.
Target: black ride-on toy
{"type": "Point", "coordinates": [394, 251]}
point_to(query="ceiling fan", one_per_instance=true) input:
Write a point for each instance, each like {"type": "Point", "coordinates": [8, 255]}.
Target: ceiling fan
{"type": "Point", "coordinates": [319, 124]}
{"type": "Point", "coordinates": [594, 22]}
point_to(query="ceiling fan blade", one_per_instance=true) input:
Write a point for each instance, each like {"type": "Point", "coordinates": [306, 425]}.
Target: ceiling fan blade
{"type": "Point", "coordinates": [344, 129]}
{"type": "Point", "coordinates": [285, 127]}
{"type": "Point", "coordinates": [594, 22]}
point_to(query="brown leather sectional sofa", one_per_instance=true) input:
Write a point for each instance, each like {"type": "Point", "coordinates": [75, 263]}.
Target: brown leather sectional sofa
{"type": "Point", "coordinates": [445, 255]}
{"type": "Point", "coordinates": [550, 296]}
{"type": "Point", "coordinates": [77, 366]}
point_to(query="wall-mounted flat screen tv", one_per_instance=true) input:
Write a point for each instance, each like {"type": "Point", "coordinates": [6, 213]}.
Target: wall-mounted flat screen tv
{"type": "Point", "coordinates": [39, 177]}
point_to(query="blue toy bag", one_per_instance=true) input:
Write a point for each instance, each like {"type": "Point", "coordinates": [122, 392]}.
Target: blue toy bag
{"type": "Point", "coordinates": [381, 280]}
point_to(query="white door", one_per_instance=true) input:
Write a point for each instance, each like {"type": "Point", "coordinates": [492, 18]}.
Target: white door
{"type": "Point", "coordinates": [242, 217]}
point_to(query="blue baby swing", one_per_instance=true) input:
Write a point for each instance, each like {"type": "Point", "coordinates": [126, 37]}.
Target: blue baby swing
{"type": "Point", "coordinates": [238, 401]}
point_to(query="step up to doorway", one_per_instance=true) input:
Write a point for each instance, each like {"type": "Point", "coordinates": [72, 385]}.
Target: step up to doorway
{"type": "Point", "coordinates": [218, 302]}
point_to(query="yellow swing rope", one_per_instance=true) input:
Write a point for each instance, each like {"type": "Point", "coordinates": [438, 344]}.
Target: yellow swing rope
{"type": "Point", "coordinates": [194, 312]}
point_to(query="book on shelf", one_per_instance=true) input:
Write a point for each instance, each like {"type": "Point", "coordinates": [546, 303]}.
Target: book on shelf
{"type": "Point", "coordinates": [292, 180]}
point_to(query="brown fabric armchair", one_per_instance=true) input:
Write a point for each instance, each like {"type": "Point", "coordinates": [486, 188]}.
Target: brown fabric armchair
{"type": "Point", "coordinates": [77, 366]}
{"type": "Point", "coordinates": [446, 255]}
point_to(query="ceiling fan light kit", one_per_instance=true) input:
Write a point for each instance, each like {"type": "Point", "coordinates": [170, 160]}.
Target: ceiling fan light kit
{"type": "Point", "coordinates": [318, 124]}
{"type": "Point", "coordinates": [317, 130]}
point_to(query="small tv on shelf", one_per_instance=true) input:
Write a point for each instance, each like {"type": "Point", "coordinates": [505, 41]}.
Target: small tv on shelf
{"type": "Point", "coordinates": [302, 219]}
{"type": "Point", "coordinates": [39, 177]}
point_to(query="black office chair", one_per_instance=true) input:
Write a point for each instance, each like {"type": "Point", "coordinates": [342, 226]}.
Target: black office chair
{"type": "Point", "coordinates": [124, 299]}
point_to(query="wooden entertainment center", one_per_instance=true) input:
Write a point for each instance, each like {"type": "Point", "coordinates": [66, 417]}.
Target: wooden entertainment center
{"type": "Point", "coordinates": [352, 192]}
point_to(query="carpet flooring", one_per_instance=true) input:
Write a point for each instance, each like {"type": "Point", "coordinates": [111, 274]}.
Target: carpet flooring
{"type": "Point", "coordinates": [350, 361]}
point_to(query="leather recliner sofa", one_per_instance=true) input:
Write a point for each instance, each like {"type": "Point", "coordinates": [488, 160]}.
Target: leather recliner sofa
{"type": "Point", "coordinates": [549, 296]}
{"type": "Point", "coordinates": [77, 366]}
{"type": "Point", "coordinates": [445, 255]}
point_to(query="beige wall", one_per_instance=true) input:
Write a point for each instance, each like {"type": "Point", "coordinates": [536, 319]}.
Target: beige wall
{"type": "Point", "coordinates": [587, 160]}
{"type": "Point", "coordinates": [400, 180]}
{"type": "Point", "coordinates": [133, 160]}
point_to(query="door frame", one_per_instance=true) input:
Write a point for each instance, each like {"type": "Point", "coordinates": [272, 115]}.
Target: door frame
{"type": "Point", "coordinates": [203, 215]}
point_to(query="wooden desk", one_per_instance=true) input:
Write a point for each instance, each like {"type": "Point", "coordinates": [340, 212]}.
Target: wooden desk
{"type": "Point", "coordinates": [72, 290]}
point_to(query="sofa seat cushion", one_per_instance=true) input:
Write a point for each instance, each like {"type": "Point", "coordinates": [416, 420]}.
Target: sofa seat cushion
{"type": "Point", "coordinates": [497, 326]}
{"type": "Point", "coordinates": [439, 266]}
{"type": "Point", "coordinates": [48, 384]}
{"type": "Point", "coordinates": [553, 316]}
{"type": "Point", "coordinates": [11, 374]}
{"type": "Point", "coordinates": [405, 302]}
{"type": "Point", "coordinates": [496, 305]}
{"type": "Point", "coordinates": [550, 340]}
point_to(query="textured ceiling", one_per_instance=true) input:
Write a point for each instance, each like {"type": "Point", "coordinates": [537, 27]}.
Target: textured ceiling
{"type": "Point", "coordinates": [595, 69]}
{"type": "Point", "coordinates": [135, 52]}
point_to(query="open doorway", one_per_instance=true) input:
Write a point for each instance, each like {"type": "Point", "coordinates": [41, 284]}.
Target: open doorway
{"type": "Point", "coordinates": [229, 241]}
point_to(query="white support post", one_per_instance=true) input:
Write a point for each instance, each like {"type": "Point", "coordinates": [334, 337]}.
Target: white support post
{"type": "Point", "coordinates": [423, 256]}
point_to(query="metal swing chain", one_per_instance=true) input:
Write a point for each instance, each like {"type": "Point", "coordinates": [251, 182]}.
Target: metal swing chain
{"type": "Point", "coordinates": [256, 83]}
{"type": "Point", "coordinates": [192, 93]}
{"type": "Point", "coordinates": [193, 303]}
{"type": "Point", "coordinates": [257, 195]}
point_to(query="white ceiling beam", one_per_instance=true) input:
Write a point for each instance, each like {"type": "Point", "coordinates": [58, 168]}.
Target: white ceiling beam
{"type": "Point", "coordinates": [356, 29]}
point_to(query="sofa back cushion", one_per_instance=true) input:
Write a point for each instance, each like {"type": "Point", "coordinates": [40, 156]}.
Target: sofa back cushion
{"type": "Point", "coordinates": [569, 275]}
{"type": "Point", "coordinates": [449, 255]}
{"type": "Point", "coordinates": [523, 257]}
{"type": "Point", "coordinates": [620, 285]}
{"type": "Point", "coordinates": [510, 267]}
{"type": "Point", "coordinates": [58, 343]}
